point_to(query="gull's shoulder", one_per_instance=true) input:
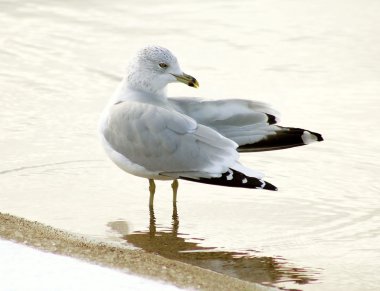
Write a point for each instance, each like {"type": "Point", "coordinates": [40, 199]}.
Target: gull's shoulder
{"type": "Point", "coordinates": [147, 115]}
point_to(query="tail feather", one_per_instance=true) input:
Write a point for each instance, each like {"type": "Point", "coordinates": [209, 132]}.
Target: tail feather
{"type": "Point", "coordinates": [233, 178]}
{"type": "Point", "coordinates": [284, 137]}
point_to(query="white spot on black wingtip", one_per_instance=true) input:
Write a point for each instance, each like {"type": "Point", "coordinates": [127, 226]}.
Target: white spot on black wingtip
{"type": "Point", "coordinates": [230, 175]}
{"type": "Point", "coordinates": [308, 137]}
{"type": "Point", "coordinates": [262, 185]}
{"type": "Point", "coordinates": [244, 181]}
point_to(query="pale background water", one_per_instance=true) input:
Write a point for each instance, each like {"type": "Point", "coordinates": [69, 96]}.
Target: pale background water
{"type": "Point", "coordinates": [318, 62]}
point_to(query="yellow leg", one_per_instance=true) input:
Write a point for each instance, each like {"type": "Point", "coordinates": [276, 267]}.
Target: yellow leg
{"type": "Point", "coordinates": [175, 188]}
{"type": "Point", "coordinates": [152, 189]}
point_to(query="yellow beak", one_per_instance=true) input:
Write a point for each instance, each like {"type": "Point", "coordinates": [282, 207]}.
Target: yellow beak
{"type": "Point", "coordinates": [187, 79]}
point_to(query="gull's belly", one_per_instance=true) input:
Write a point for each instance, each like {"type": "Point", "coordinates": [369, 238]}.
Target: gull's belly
{"type": "Point", "coordinates": [128, 166]}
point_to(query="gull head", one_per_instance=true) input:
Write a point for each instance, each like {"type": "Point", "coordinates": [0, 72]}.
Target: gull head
{"type": "Point", "coordinates": [153, 68]}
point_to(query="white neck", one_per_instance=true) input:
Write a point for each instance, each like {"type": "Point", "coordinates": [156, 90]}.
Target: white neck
{"type": "Point", "coordinates": [127, 92]}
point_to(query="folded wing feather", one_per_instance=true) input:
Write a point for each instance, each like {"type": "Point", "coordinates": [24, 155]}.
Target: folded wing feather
{"type": "Point", "coordinates": [173, 144]}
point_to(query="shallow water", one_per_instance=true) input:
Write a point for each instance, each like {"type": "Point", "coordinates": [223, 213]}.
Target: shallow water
{"type": "Point", "coordinates": [315, 61]}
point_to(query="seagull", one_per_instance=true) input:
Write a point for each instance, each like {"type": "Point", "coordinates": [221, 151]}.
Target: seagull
{"type": "Point", "coordinates": [150, 135]}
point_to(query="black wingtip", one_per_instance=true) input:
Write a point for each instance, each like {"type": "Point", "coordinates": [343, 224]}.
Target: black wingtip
{"type": "Point", "coordinates": [271, 119]}
{"type": "Point", "coordinates": [234, 178]}
{"type": "Point", "coordinates": [269, 186]}
{"type": "Point", "coordinates": [284, 137]}
{"type": "Point", "coordinates": [319, 136]}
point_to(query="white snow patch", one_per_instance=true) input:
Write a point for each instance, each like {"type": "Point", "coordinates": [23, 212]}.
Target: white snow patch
{"type": "Point", "coordinates": [24, 268]}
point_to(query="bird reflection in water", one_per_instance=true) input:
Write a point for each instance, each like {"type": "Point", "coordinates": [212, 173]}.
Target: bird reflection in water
{"type": "Point", "coordinates": [169, 243]}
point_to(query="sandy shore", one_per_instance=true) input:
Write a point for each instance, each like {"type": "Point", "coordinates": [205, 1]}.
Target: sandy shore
{"type": "Point", "coordinates": [52, 240]}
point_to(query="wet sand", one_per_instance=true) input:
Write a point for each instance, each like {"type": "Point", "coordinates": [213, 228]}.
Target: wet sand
{"type": "Point", "coordinates": [52, 240]}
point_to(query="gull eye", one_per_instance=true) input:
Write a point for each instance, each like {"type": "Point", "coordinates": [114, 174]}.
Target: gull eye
{"type": "Point", "coordinates": [163, 65]}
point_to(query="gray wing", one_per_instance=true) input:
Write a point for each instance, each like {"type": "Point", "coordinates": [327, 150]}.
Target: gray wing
{"type": "Point", "coordinates": [167, 141]}
{"type": "Point", "coordinates": [243, 121]}
{"type": "Point", "coordinates": [251, 124]}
